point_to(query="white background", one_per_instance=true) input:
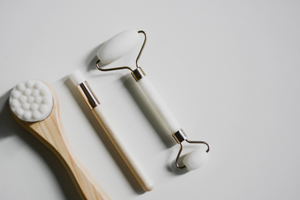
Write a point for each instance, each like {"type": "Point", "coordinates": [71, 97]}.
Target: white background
{"type": "Point", "coordinates": [228, 70]}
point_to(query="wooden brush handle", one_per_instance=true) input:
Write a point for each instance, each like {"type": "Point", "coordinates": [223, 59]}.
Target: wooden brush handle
{"type": "Point", "coordinates": [133, 164]}
{"type": "Point", "coordinates": [51, 133]}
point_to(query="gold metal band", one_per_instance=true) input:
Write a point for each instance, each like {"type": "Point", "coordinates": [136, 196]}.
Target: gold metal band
{"type": "Point", "coordinates": [88, 95]}
{"type": "Point", "coordinates": [138, 74]}
{"type": "Point", "coordinates": [179, 136]}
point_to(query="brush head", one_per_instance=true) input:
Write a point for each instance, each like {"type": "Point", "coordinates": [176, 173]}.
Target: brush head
{"type": "Point", "coordinates": [77, 77]}
{"type": "Point", "coordinates": [31, 101]}
{"type": "Point", "coordinates": [118, 46]}
{"type": "Point", "coordinates": [195, 159]}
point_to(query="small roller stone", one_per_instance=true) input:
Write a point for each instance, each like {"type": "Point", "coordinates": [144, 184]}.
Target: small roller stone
{"type": "Point", "coordinates": [195, 159]}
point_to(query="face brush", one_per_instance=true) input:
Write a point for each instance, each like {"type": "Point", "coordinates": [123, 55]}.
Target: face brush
{"type": "Point", "coordinates": [120, 45]}
{"type": "Point", "coordinates": [34, 105]}
{"type": "Point", "coordinates": [100, 114]}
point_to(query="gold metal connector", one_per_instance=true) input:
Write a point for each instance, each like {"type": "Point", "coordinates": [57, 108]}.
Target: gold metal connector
{"type": "Point", "coordinates": [180, 137]}
{"type": "Point", "coordinates": [138, 74]}
{"type": "Point", "coordinates": [88, 95]}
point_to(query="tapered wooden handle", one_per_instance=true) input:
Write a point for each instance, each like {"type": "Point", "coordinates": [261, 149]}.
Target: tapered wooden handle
{"type": "Point", "coordinates": [133, 164]}
{"type": "Point", "coordinates": [51, 133]}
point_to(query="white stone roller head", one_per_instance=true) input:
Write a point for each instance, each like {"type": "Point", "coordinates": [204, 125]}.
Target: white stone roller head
{"type": "Point", "coordinates": [118, 46]}
{"type": "Point", "coordinates": [195, 159]}
{"type": "Point", "coordinates": [31, 101]}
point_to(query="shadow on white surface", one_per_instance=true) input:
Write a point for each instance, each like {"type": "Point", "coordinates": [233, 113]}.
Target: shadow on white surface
{"type": "Point", "coordinates": [9, 127]}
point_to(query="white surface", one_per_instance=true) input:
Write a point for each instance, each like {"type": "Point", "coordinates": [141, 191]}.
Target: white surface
{"type": "Point", "coordinates": [77, 77]}
{"type": "Point", "coordinates": [228, 70]}
{"type": "Point", "coordinates": [159, 105]}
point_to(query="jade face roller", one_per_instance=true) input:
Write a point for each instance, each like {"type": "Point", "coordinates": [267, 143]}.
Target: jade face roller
{"type": "Point", "coordinates": [117, 47]}
{"type": "Point", "coordinates": [34, 105]}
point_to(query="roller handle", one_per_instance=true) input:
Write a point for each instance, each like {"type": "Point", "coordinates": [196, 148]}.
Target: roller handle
{"type": "Point", "coordinates": [141, 176]}
{"type": "Point", "coordinates": [159, 105]}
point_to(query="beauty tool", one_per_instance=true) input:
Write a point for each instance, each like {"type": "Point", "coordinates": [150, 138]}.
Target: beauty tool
{"type": "Point", "coordinates": [99, 112]}
{"type": "Point", "coordinates": [120, 45]}
{"type": "Point", "coordinates": [34, 105]}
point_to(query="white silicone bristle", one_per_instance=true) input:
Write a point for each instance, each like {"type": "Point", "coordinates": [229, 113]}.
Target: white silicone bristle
{"type": "Point", "coordinates": [118, 46]}
{"type": "Point", "coordinates": [31, 101]}
{"type": "Point", "coordinates": [77, 77]}
{"type": "Point", "coordinates": [195, 159]}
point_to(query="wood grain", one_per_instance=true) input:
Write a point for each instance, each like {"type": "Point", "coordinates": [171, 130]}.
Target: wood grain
{"type": "Point", "coordinates": [50, 131]}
